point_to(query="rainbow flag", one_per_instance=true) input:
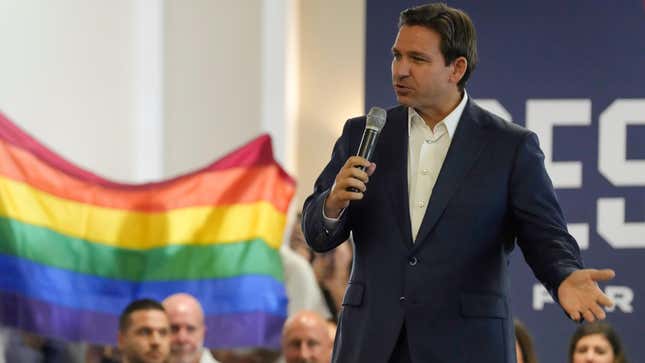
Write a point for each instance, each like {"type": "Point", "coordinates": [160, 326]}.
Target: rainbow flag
{"type": "Point", "coordinates": [76, 248]}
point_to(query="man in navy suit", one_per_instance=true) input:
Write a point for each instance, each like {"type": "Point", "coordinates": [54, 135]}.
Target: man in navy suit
{"type": "Point", "coordinates": [456, 187]}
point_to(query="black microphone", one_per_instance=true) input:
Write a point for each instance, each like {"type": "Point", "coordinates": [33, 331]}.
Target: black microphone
{"type": "Point", "coordinates": [375, 122]}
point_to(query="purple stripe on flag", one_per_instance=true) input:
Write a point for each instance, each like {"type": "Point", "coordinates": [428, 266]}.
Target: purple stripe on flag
{"type": "Point", "coordinates": [251, 329]}
{"type": "Point", "coordinates": [240, 330]}
{"type": "Point", "coordinates": [56, 321]}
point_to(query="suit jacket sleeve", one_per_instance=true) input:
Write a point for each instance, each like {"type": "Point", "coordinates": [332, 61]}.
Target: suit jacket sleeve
{"type": "Point", "coordinates": [548, 248]}
{"type": "Point", "coordinates": [318, 237]}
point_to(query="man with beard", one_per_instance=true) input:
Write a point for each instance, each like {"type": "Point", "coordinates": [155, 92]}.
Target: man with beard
{"type": "Point", "coordinates": [188, 329]}
{"type": "Point", "coordinates": [144, 332]}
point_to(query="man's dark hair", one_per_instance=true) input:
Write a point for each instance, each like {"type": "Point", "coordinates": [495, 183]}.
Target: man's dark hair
{"type": "Point", "coordinates": [136, 305]}
{"type": "Point", "coordinates": [457, 32]}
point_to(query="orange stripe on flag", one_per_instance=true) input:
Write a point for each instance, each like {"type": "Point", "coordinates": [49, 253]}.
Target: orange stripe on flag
{"type": "Point", "coordinates": [237, 185]}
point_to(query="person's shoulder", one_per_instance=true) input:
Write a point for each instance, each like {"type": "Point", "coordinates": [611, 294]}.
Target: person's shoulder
{"type": "Point", "coordinates": [493, 122]}
{"type": "Point", "coordinates": [207, 357]}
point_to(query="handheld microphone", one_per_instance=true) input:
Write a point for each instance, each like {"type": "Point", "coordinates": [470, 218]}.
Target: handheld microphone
{"type": "Point", "coordinates": [375, 122]}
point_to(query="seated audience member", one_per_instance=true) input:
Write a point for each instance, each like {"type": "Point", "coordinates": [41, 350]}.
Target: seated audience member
{"type": "Point", "coordinates": [26, 347]}
{"type": "Point", "coordinates": [246, 355]}
{"type": "Point", "coordinates": [297, 240]}
{"type": "Point", "coordinates": [102, 354]}
{"type": "Point", "coordinates": [306, 338]}
{"type": "Point", "coordinates": [300, 283]}
{"type": "Point", "coordinates": [187, 330]}
{"type": "Point", "coordinates": [596, 343]}
{"type": "Point", "coordinates": [332, 271]}
{"type": "Point", "coordinates": [144, 333]}
{"type": "Point", "coordinates": [524, 350]}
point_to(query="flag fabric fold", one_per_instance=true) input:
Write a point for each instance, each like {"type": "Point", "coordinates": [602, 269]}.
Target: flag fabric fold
{"type": "Point", "coordinates": [76, 248]}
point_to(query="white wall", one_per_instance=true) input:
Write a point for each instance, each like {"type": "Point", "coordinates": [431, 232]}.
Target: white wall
{"type": "Point", "coordinates": [212, 79]}
{"type": "Point", "coordinates": [82, 77]}
{"type": "Point", "coordinates": [66, 76]}
{"type": "Point", "coordinates": [332, 74]}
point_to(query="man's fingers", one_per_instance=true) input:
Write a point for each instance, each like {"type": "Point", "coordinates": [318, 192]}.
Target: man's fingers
{"type": "Point", "coordinates": [354, 183]}
{"type": "Point", "coordinates": [589, 316]}
{"type": "Point", "coordinates": [371, 169]}
{"type": "Point", "coordinates": [354, 173]}
{"type": "Point", "coordinates": [602, 275]}
{"type": "Point", "coordinates": [355, 161]}
{"type": "Point", "coordinates": [575, 315]}
{"type": "Point", "coordinates": [604, 300]}
{"type": "Point", "coordinates": [598, 312]}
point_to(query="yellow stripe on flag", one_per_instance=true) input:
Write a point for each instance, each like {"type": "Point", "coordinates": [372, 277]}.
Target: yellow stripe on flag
{"type": "Point", "coordinates": [138, 230]}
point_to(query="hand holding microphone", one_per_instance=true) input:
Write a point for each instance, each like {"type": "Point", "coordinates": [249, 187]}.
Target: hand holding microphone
{"type": "Point", "coordinates": [351, 180]}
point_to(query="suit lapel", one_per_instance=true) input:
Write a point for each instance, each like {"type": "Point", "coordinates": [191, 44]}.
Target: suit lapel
{"type": "Point", "coordinates": [465, 148]}
{"type": "Point", "coordinates": [394, 144]}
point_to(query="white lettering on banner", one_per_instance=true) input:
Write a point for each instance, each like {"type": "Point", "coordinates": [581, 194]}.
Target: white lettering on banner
{"type": "Point", "coordinates": [541, 117]}
{"type": "Point", "coordinates": [580, 231]}
{"type": "Point", "coordinates": [613, 228]}
{"type": "Point", "coordinates": [613, 165]}
{"type": "Point", "coordinates": [541, 297]}
{"type": "Point", "coordinates": [622, 296]}
{"type": "Point", "coordinates": [612, 145]}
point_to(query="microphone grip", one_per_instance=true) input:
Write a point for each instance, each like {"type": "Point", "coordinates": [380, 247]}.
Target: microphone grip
{"type": "Point", "coordinates": [365, 150]}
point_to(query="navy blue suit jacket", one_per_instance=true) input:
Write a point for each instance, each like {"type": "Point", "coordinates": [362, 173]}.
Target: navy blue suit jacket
{"type": "Point", "coordinates": [450, 287]}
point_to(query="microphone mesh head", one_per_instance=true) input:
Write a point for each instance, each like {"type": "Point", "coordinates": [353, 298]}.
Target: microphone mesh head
{"type": "Point", "coordinates": [376, 118]}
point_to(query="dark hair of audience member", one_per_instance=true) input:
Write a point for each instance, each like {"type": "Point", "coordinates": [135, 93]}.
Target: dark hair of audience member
{"type": "Point", "coordinates": [604, 329]}
{"type": "Point", "coordinates": [136, 305]}
{"type": "Point", "coordinates": [525, 342]}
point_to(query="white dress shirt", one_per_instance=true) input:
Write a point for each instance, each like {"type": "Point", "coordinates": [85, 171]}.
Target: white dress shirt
{"type": "Point", "coordinates": [427, 149]}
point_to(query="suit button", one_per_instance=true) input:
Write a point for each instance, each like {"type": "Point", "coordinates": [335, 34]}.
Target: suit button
{"type": "Point", "coordinates": [402, 299]}
{"type": "Point", "coordinates": [413, 261]}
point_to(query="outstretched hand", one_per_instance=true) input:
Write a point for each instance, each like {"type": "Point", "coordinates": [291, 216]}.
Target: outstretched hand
{"type": "Point", "coordinates": [581, 297]}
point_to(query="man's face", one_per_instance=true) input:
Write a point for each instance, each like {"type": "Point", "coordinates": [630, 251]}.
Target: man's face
{"type": "Point", "coordinates": [187, 340]}
{"type": "Point", "coordinates": [147, 337]}
{"type": "Point", "coordinates": [420, 76]}
{"type": "Point", "coordinates": [307, 342]}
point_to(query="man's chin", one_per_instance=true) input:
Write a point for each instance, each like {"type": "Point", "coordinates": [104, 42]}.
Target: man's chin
{"type": "Point", "coordinates": [184, 357]}
{"type": "Point", "coordinates": [403, 101]}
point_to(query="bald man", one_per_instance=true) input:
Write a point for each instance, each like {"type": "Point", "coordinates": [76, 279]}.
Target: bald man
{"type": "Point", "coordinates": [306, 339]}
{"type": "Point", "coordinates": [187, 330]}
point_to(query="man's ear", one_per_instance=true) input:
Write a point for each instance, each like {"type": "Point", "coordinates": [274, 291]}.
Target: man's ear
{"type": "Point", "coordinates": [459, 67]}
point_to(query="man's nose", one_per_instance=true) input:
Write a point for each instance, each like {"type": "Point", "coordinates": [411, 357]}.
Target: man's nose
{"type": "Point", "coordinates": [181, 335]}
{"type": "Point", "coordinates": [589, 356]}
{"type": "Point", "coordinates": [400, 68]}
{"type": "Point", "coordinates": [305, 351]}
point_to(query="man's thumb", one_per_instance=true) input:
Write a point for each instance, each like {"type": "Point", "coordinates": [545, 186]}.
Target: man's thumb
{"type": "Point", "coordinates": [602, 275]}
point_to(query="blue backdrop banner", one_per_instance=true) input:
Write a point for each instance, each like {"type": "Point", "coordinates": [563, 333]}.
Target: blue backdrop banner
{"type": "Point", "coordinates": [573, 72]}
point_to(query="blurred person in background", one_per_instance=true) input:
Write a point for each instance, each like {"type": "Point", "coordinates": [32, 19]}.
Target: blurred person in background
{"type": "Point", "coordinates": [332, 271]}
{"type": "Point", "coordinates": [144, 332]}
{"type": "Point", "coordinates": [102, 354]}
{"type": "Point", "coordinates": [306, 338]}
{"type": "Point", "coordinates": [596, 343]}
{"type": "Point", "coordinates": [187, 330]}
{"type": "Point", "coordinates": [25, 347]}
{"type": "Point", "coordinates": [524, 350]}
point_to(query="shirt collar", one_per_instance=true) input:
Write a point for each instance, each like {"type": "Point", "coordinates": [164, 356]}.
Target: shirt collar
{"type": "Point", "coordinates": [450, 121]}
